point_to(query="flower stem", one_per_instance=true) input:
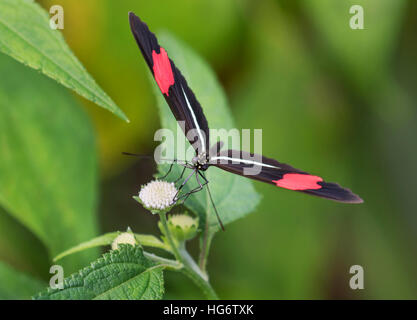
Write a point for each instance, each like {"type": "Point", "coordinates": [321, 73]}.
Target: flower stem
{"type": "Point", "coordinates": [147, 240]}
{"type": "Point", "coordinates": [168, 234]}
{"type": "Point", "coordinates": [190, 268]}
{"type": "Point", "coordinates": [204, 252]}
{"type": "Point", "coordinates": [168, 263]}
{"type": "Point", "coordinates": [203, 284]}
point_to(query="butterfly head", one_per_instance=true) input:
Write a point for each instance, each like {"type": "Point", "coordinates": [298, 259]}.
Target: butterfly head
{"type": "Point", "coordinates": [200, 161]}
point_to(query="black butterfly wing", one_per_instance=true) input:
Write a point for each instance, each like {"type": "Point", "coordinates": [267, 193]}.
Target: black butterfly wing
{"type": "Point", "coordinates": [173, 85]}
{"type": "Point", "coordinates": [281, 175]}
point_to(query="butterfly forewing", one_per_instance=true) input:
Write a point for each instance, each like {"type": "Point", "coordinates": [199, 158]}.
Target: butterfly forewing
{"type": "Point", "coordinates": [173, 85]}
{"type": "Point", "coordinates": [281, 175]}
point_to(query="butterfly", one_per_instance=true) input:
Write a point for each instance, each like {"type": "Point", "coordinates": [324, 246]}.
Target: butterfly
{"type": "Point", "coordinates": [186, 108]}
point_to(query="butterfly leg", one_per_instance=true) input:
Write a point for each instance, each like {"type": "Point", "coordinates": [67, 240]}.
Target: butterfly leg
{"type": "Point", "coordinates": [183, 184]}
{"type": "Point", "coordinates": [182, 174]}
{"type": "Point", "coordinates": [211, 199]}
{"type": "Point", "coordinates": [169, 170]}
{"type": "Point", "coordinates": [197, 189]}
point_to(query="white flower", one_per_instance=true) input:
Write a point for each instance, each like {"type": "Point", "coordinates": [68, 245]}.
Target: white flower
{"type": "Point", "coordinates": [158, 195]}
{"type": "Point", "coordinates": [123, 238]}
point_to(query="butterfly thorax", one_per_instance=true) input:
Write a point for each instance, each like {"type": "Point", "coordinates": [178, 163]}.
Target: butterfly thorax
{"type": "Point", "coordinates": [200, 161]}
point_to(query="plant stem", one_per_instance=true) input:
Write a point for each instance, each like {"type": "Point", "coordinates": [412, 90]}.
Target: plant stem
{"type": "Point", "coordinates": [168, 263]}
{"type": "Point", "coordinates": [190, 262]}
{"type": "Point", "coordinates": [168, 234]}
{"type": "Point", "coordinates": [203, 284]}
{"type": "Point", "coordinates": [147, 240]}
{"type": "Point", "coordinates": [195, 274]}
{"type": "Point", "coordinates": [190, 268]}
{"type": "Point", "coordinates": [204, 252]}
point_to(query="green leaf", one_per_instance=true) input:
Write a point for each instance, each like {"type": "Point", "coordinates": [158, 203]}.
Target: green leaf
{"type": "Point", "coordinates": [17, 285]}
{"type": "Point", "coordinates": [123, 274]}
{"type": "Point", "coordinates": [25, 35]}
{"type": "Point", "coordinates": [107, 239]}
{"type": "Point", "coordinates": [21, 249]}
{"type": "Point", "coordinates": [103, 240]}
{"type": "Point", "coordinates": [233, 195]}
{"type": "Point", "coordinates": [48, 164]}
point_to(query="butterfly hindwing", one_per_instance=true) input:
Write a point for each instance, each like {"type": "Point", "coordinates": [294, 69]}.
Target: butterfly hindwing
{"type": "Point", "coordinates": [282, 175]}
{"type": "Point", "coordinates": [173, 86]}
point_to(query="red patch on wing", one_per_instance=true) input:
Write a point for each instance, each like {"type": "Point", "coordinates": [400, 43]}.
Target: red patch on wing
{"type": "Point", "coordinates": [162, 70]}
{"type": "Point", "coordinates": [298, 181]}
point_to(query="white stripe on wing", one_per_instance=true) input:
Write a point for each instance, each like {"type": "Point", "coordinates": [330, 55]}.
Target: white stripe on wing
{"type": "Point", "coordinates": [244, 161]}
{"type": "Point", "coordinates": [203, 143]}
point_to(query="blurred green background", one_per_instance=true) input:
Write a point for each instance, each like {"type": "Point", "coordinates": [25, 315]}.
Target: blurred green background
{"type": "Point", "coordinates": [330, 100]}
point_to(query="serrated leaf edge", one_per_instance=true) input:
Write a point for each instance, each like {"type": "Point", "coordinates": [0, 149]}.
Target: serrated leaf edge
{"type": "Point", "coordinates": [94, 266]}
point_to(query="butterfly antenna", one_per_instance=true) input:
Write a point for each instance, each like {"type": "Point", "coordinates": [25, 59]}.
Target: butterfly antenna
{"type": "Point", "coordinates": [147, 156]}
{"type": "Point", "coordinates": [215, 209]}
